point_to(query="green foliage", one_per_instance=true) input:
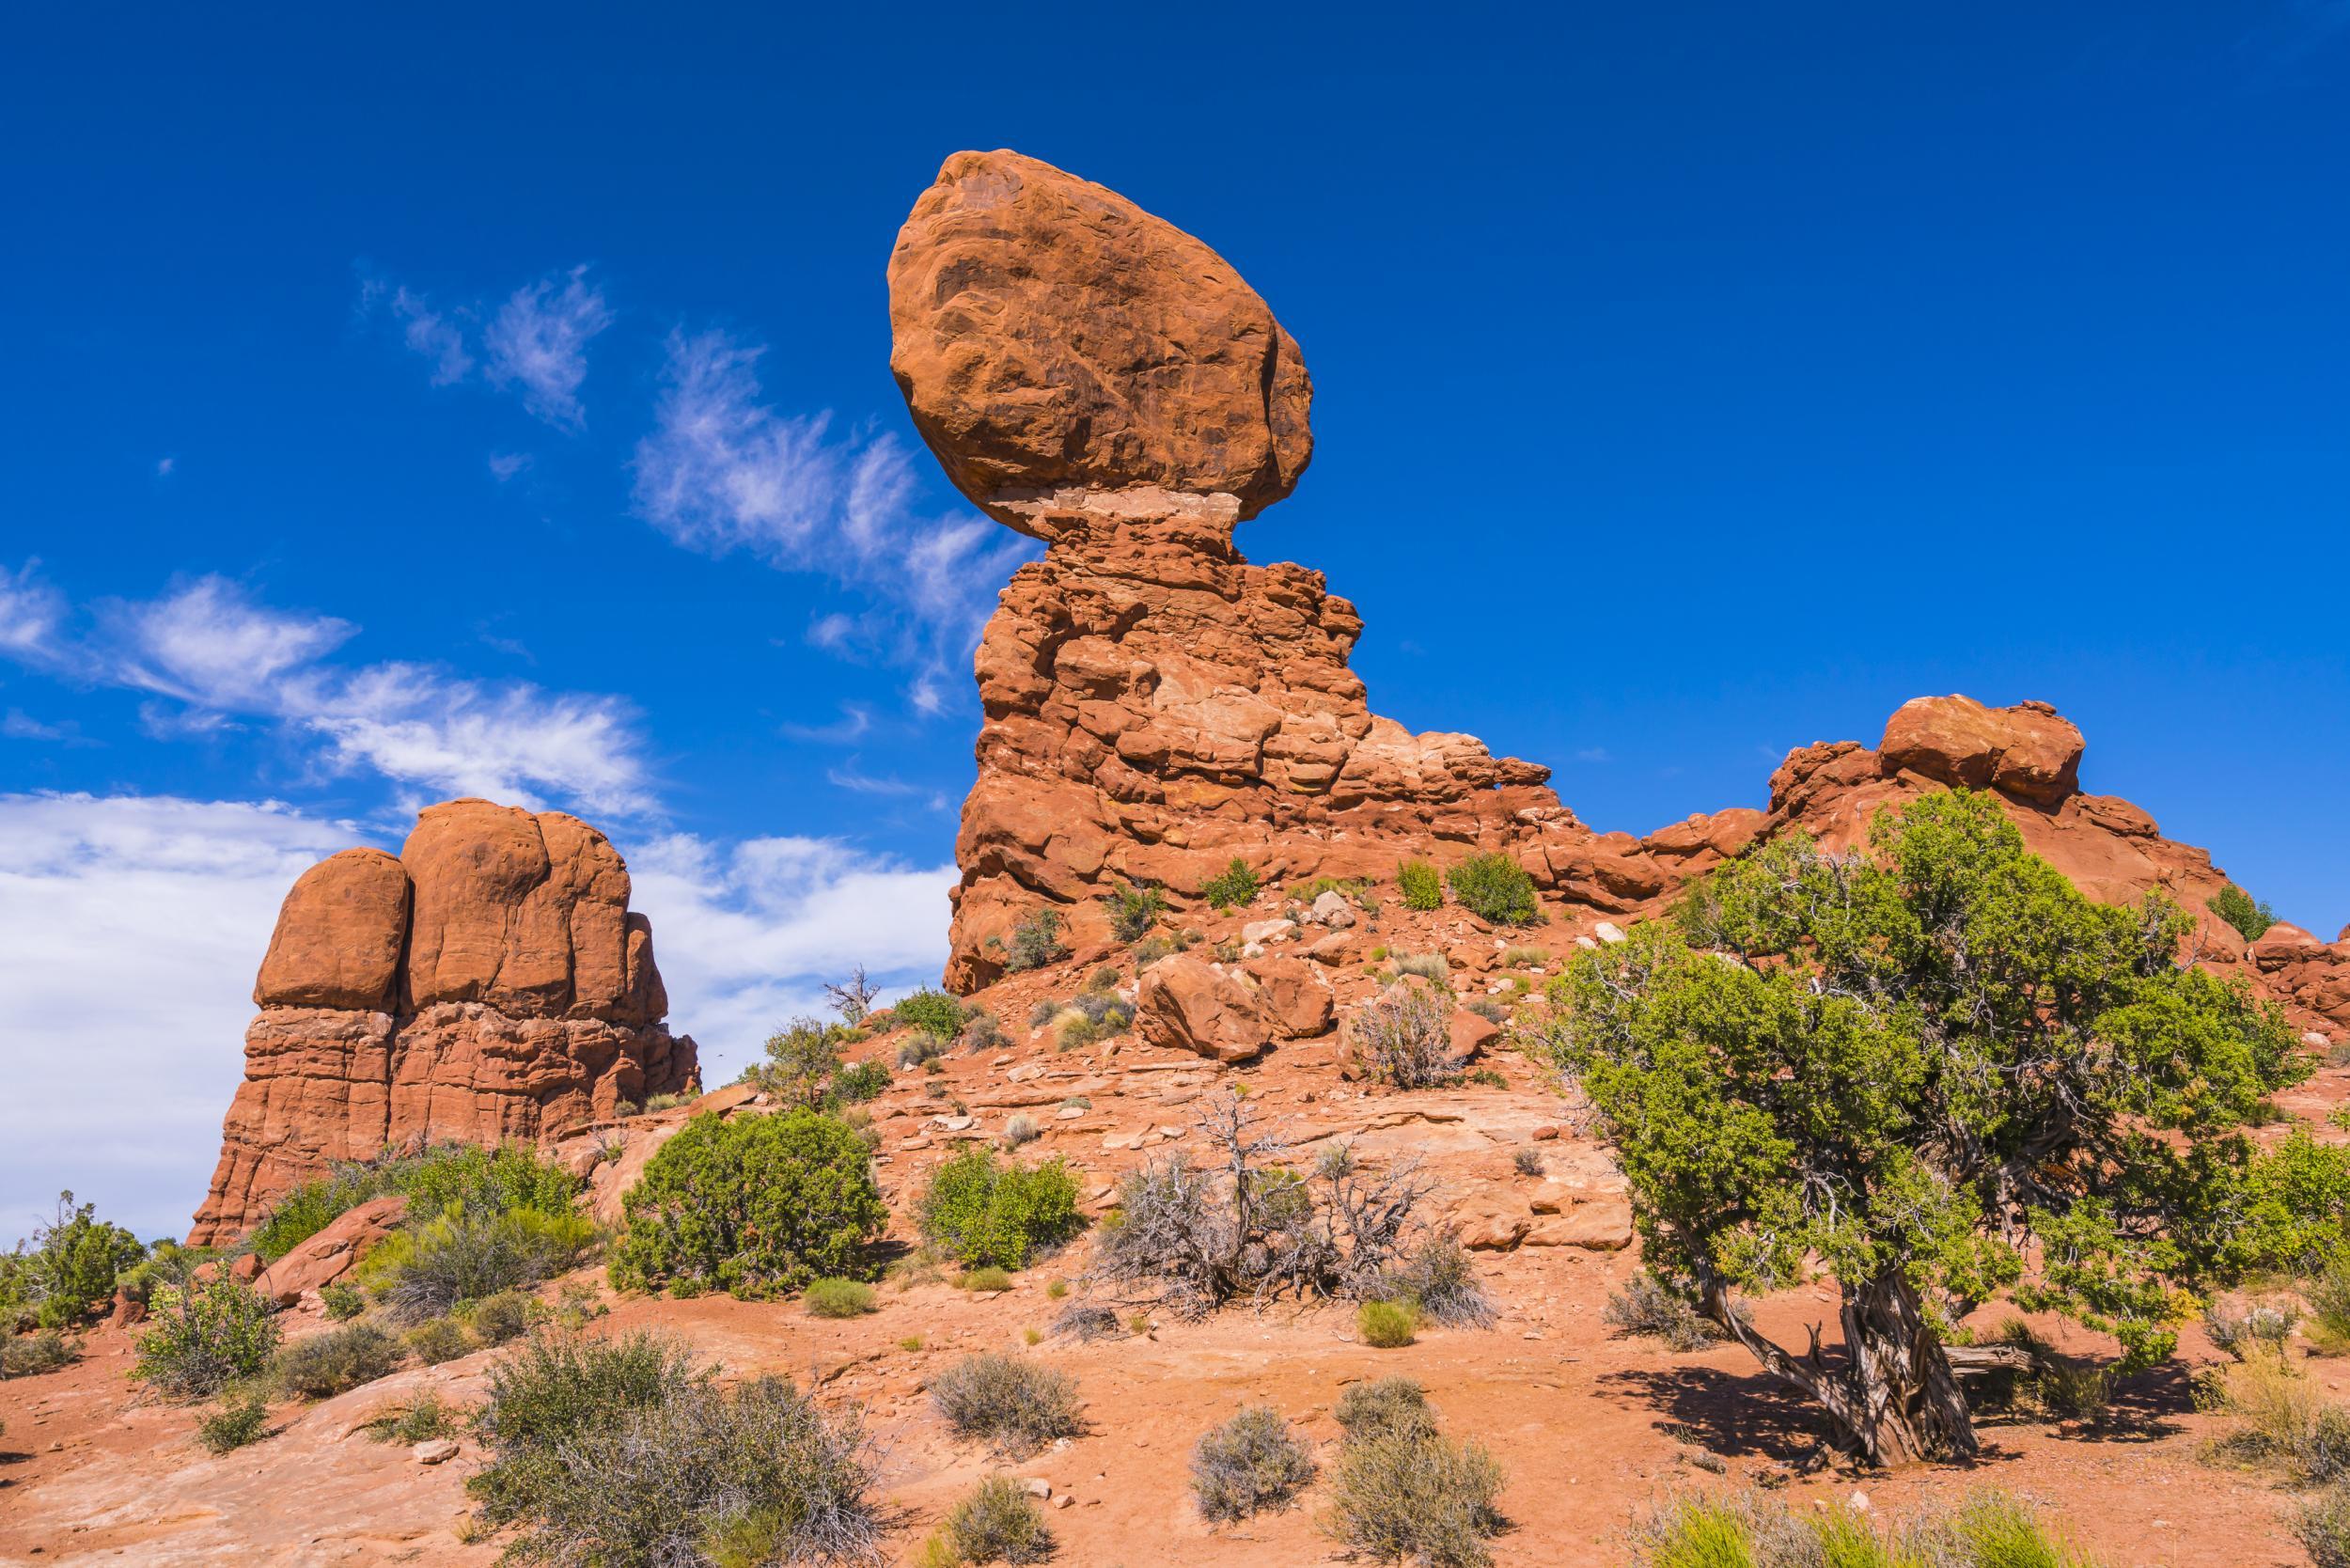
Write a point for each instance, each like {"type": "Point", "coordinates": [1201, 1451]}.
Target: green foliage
{"type": "Point", "coordinates": [860, 1081]}
{"type": "Point", "coordinates": [624, 1457]}
{"type": "Point", "coordinates": [438, 1340]}
{"type": "Point", "coordinates": [2322, 1527]}
{"type": "Point", "coordinates": [757, 1206]}
{"type": "Point", "coordinates": [2236, 907]}
{"type": "Point", "coordinates": [1752, 1530]}
{"type": "Point", "coordinates": [1385, 1325]}
{"type": "Point", "coordinates": [1134, 910]}
{"type": "Point", "coordinates": [1036, 942]}
{"type": "Point", "coordinates": [935, 1013]}
{"type": "Point", "coordinates": [430, 1268]}
{"type": "Point", "coordinates": [2293, 1214]}
{"type": "Point", "coordinates": [982, 1210]}
{"type": "Point", "coordinates": [1863, 1059]}
{"type": "Point", "coordinates": [803, 1067]}
{"type": "Point", "coordinates": [1422, 888]}
{"type": "Point", "coordinates": [989, 1280]}
{"type": "Point", "coordinates": [1495, 888]}
{"type": "Point", "coordinates": [497, 1318]}
{"type": "Point", "coordinates": [342, 1302]}
{"type": "Point", "coordinates": [204, 1336]}
{"type": "Point", "coordinates": [1017, 1405]}
{"type": "Point", "coordinates": [336, 1361]}
{"type": "Point", "coordinates": [30, 1355]}
{"type": "Point", "coordinates": [466, 1177]}
{"type": "Point", "coordinates": [1250, 1465]}
{"type": "Point", "coordinates": [65, 1268]}
{"type": "Point", "coordinates": [419, 1421]}
{"type": "Point", "coordinates": [1232, 888]}
{"type": "Point", "coordinates": [840, 1299]}
{"type": "Point", "coordinates": [994, 1523]}
{"type": "Point", "coordinates": [236, 1423]}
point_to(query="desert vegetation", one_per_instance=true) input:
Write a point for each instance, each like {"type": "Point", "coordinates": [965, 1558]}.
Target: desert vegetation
{"type": "Point", "coordinates": [1250, 1465]}
{"type": "Point", "coordinates": [981, 1211]}
{"type": "Point", "coordinates": [1014, 1404]}
{"type": "Point", "coordinates": [65, 1269]}
{"type": "Point", "coordinates": [1989, 1529]}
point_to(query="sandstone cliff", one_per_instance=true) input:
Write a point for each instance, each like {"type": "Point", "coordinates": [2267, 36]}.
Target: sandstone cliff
{"type": "Point", "coordinates": [488, 983]}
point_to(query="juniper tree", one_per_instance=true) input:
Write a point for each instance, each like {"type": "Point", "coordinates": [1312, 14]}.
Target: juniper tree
{"type": "Point", "coordinates": [1934, 1071]}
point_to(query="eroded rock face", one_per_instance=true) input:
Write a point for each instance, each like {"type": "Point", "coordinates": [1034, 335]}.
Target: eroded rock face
{"type": "Point", "coordinates": [487, 984]}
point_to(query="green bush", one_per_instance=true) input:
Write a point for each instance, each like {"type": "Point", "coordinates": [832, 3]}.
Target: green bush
{"type": "Point", "coordinates": [1752, 1530]}
{"type": "Point", "coordinates": [463, 1177]}
{"type": "Point", "coordinates": [1385, 1325]}
{"type": "Point", "coordinates": [935, 1013]}
{"type": "Point", "coordinates": [495, 1319]}
{"type": "Point", "coordinates": [840, 1299]}
{"type": "Point", "coordinates": [2236, 907]}
{"type": "Point", "coordinates": [67, 1267]}
{"type": "Point", "coordinates": [2322, 1527]}
{"type": "Point", "coordinates": [1017, 1405]}
{"type": "Point", "coordinates": [1232, 888]}
{"type": "Point", "coordinates": [237, 1422]}
{"type": "Point", "coordinates": [1134, 910]}
{"type": "Point", "coordinates": [919, 1050]}
{"type": "Point", "coordinates": [989, 1280]}
{"type": "Point", "coordinates": [1420, 885]}
{"type": "Point", "coordinates": [420, 1420]}
{"type": "Point", "coordinates": [860, 1081]}
{"type": "Point", "coordinates": [985, 1212]}
{"type": "Point", "coordinates": [204, 1337]}
{"type": "Point", "coordinates": [802, 1057]}
{"type": "Point", "coordinates": [336, 1361]}
{"type": "Point", "coordinates": [757, 1206]}
{"type": "Point", "coordinates": [1251, 1464]}
{"type": "Point", "coordinates": [431, 1269]}
{"type": "Point", "coordinates": [342, 1302]}
{"type": "Point", "coordinates": [438, 1340]}
{"type": "Point", "coordinates": [1496, 888]}
{"type": "Point", "coordinates": [1036, 942]}
{"type": "Point", "coordinates": [624, 1457]}
{"type": "Point", "coordinates": [994, 1523]}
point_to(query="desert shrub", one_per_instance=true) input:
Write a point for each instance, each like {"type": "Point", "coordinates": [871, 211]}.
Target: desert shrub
{"type": "Point", "coordinates": [994, 1523]}
{"type": "Point", "coordinates": [1083, 1324]}
{"type": "Point", "coordinates": [757, 1206]}
{"type": "Point", "coordinates": [2284, 1419]}
{"type": "Point", "coordinates": [1021, 1129]}
{"type": "Point", "coordinates": [342, 1301]}
{"type": "Point", "coordinates": [1404, 1038]}
{"type": "Point", "coordinates": [803, 1063]}
{"type": "Point", "coordinates": [1016, 1406]}
{"type": "Point", "coordinates": [2236, 907]}
{"type": "Point", "coordinates": [982, 1210]}
{"type": "Point", "coordinates": [418, 1420]}
{"type": "Point", "coordinates": [1385, 1407]}
{"type": "Point", "coordinates": [1385, 1325]}
{"type": "Point", "coordinates": [1416, 1497]}
{"type": "Point", "coordinates": [1527, 1162]}
{"type": "Point", "coordinates": [980, 1031]}
{"type": "Point", "coordinates": [1036, 942]}
{"type": "Point", "coordinates": [552, 1388]}
{"type": "Point", "coordinates": [495, 1319]}
{"type": "Point", "coordinates": [68, 1266]}
{"type": "Point", "coordinates": [1753, 1530]}
{"type": "Point", "coordinates": [236, 1423]}
{"type": "Point", "coordinates": [463, 1176]}
{"type": "Point", "coordinates": [2322, 1527]}
{"type": "Point", "coordinates": [859, 1082]}
{"type": "Point", "coordinates": [1421, 887]}
{"type": "Point", "coordinates": [1524, 958]}
{"type": "Point", "coordinates": [1428, 966]}
{"type": "Point", "coordinates": [755, 1475]}
{"type": "Point", "coordinates": [204, 1336]}
{"type": "Point", "coordinates": [30, 1355]}
{"type": "Point", "coordinates": [1648, 1308]}
{"type": "Point", "coordinates": [840, 1299]}
{"type": "Point", "coordinates": [987, 1280]}
{"type": "Point", "coordinates": [438, 1340]}
{"type": "Point", "coordinates": [667, 1102]}
{"type": "Point", "coordinates": [1231, 888]}
{"type": "Point", "coordinates": [1438, 1282]}
{"type": "Point", "coordinates": [1251, 1464]}
{"type": "Point", "coordinates": [1134, 910]}
{"type": "Point", "coordinates": [336, 1361]}
{"type": "Point", "coordinates": [1803, 1005]}
{"type": "Point", "coordinates": [2242, 1328]}
{"type": "Point", "coordinates": [1194, 1237]}
{"type": "Point", "coordinates": [1496, 888]}
{"type": "Point", "coordinates": [428, 1270]}
{"type": "Point", "coordinates": [935, 1013]}
{"type": "Point", "coordinates": [2329, 1297]}
{"type": "Point", "coordinates": [921, 1049]}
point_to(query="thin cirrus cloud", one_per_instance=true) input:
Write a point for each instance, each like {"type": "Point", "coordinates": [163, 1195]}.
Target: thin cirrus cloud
{"type": "Point", "coordinates": [534, 342]}
{"type": "Point", "coordinates": [212, 656]}
{"type": "Point", "coordinates": [722, 470]}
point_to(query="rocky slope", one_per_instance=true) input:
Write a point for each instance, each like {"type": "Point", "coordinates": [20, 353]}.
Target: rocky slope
{"type": "Point", "coordinates": [488, 983]}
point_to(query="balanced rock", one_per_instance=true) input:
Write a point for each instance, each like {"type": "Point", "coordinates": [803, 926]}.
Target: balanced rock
{"type": "Point", "coordinates": [2028, 751]}
{"type": "Point", "coordinates": [487, 984]}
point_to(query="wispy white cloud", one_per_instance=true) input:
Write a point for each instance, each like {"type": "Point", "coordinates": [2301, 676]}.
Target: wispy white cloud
{"type": "Point", "coordinates": [219, 656]}
{"type": "Point", "coordinates": [539, 341]}
{"type": "Point", "coordinates": [32, 615]}
{"type": "Point", "coordinates": [536, 340]}
{"type": "Point", "coordinates": [854, 722]}
{"type": "Point", "coordinates": [18, 725]}
{"type": "Point", "coordinates": [724, 470]}
{"type": "Point", "coordinates": [163, 467]}
{"type": "Point", "coordinates": [507, 465]}
{"type": "Point", "coordinates": [851, 777]}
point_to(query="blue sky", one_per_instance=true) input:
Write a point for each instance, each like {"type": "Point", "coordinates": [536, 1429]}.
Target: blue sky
{"type": "Point", "coordinates": [465, 404]}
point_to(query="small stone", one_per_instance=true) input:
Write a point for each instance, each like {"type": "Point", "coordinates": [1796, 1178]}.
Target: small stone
{"type": "Point", "coordinates": [434, 1450]}
{"type": "Point", "coordinates": [1037, 1486]}
{"type": "Point", "coordinates": [1064, 1500]}
{"type": "Point", "coordinates": [1609, 932]}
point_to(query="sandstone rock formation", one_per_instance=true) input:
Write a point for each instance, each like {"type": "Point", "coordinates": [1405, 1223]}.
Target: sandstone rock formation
{"type": "Point", "coordinates": [488, 983]}
{"type": "Point", "coordinates": [1156, 706]}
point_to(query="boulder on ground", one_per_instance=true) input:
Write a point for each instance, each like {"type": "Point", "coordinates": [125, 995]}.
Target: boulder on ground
{"type": "Point", "coordinates": [1189, 1005]}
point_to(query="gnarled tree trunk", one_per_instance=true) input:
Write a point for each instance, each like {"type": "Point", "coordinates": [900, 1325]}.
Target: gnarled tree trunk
{"type": "Point", "coordinates": [1892, 1398]}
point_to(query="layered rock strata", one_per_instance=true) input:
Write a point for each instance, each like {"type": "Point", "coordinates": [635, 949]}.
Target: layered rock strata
{"type": "Point", "coordinates": [489, 983]}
